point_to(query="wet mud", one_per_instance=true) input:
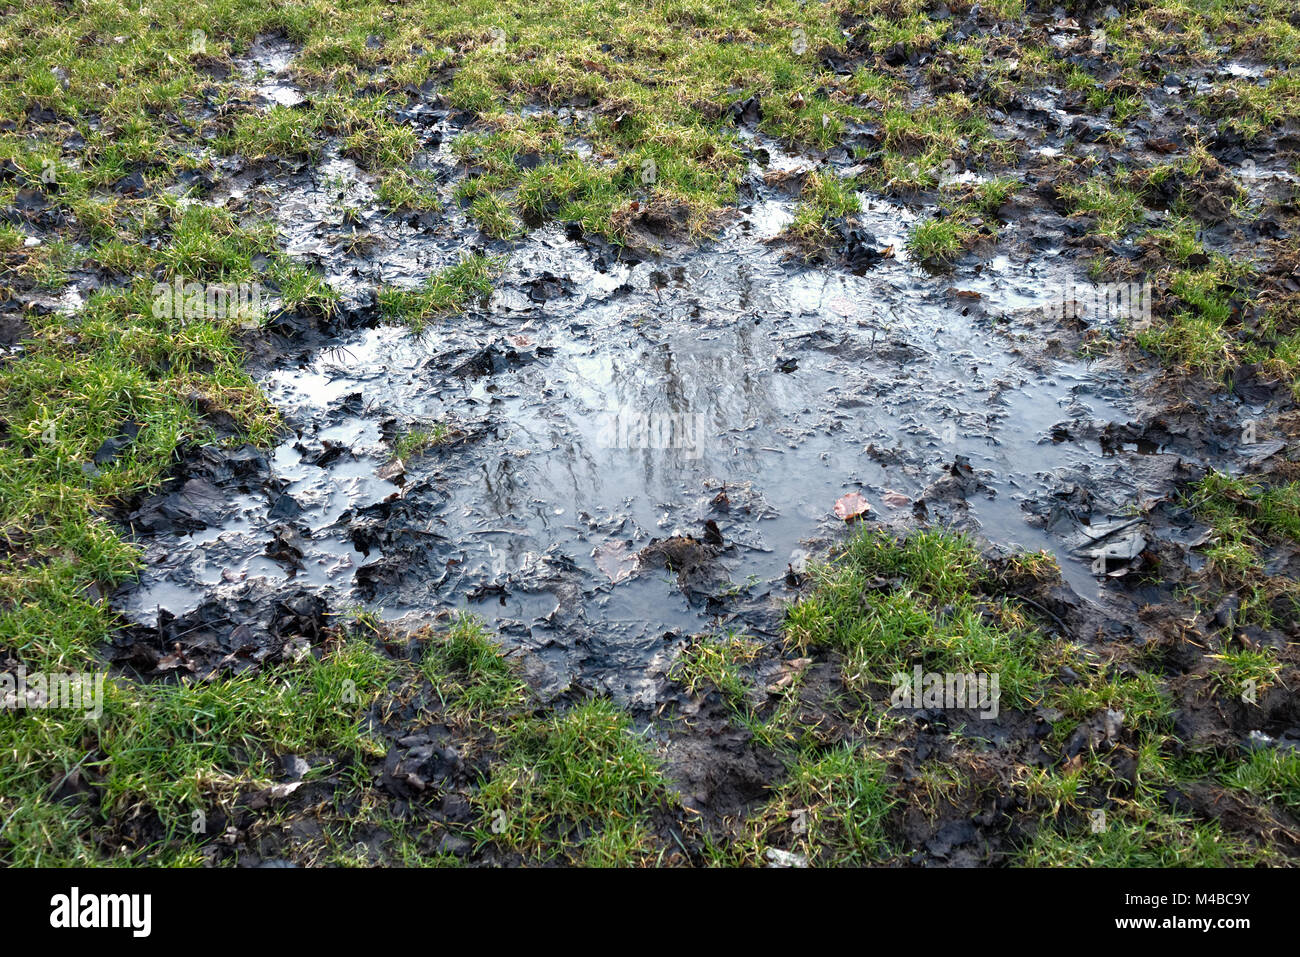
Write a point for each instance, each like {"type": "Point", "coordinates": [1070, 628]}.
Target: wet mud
{"type": "Point", "coordinates": [783, 387]}
{"type": "Point", "coordinates": [642, 444]}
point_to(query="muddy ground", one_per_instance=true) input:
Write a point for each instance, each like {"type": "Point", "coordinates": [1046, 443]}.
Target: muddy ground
{"type": "Point", "coordinates": [944, 395]}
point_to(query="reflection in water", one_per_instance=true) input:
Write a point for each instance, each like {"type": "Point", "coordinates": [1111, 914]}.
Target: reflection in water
{"type": "Point", "coordinates": [805, 383]}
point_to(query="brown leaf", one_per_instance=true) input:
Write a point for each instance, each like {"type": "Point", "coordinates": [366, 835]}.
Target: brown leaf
{"type": "Point", "coordinates": [393, 472]}
{"type": "Point", "coordinates": [852, 506]}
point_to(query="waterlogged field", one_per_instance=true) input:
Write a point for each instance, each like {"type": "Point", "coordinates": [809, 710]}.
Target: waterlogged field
{"type": "Point", "coordinates": [732, 433]}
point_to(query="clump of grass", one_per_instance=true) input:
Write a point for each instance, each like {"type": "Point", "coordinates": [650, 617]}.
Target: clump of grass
{"type": "Point", "coordinates": [716, 663]}
{"type": "Point", "coordinates": [414, 190]}
{"type": "Point", "coordinates": [468, 672]}
{"type": "Point", "coordinates": [279, 132]}
{"type": "Point", "coordinates": [1198, 326]}
{"type": "Point", "coordinates": [940, 240]}
{"type": "Point", "coordinates": [1161, 840]}
{"type": "Point", "coordinates": [1269, 510]}
{"type": "Point", "coordinates": [1272, 774]}
{"type": "Point", "coordinates": [832, 809]}
{"type": "Point", "coordinates": [1251, 109]}
{"type": "Point", "coordinates": [443, 293]}
{"type": "Point", "coordinates": [420, 439]}
{"type": "Point", "coordinates": [1193, 333]}
{"type": "Point", "coordinates": [1243, 671]}
{"type": "Point", "coordinates": [1245, 515]}
{"type": "Point", "coordinates": [576, 786]}
{"type": "Point", "coordinates": [930, 614]}
{"type": "Point", "coordinates": [1141, 697]}
{"type": "Point", "coordinates": [168, 750]}
{"type": "Point", "coordinates": [1112, 204]}
{"type": "Point", "coordinates": [822, 200]}
{"type": "Point", "coordinates": [919, 145]}
{"type": "Point", "coordinates": [990, 195]}
{"type": "Point", "coordinates": [945, 237]}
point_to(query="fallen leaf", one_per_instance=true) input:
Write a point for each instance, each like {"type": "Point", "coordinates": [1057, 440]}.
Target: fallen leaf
{"type": "Point", "coordinates": [852, 506]}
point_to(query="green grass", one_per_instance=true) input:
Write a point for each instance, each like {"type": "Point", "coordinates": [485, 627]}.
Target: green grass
{"type": "Point", "coordinates": [1113, 206]}
{"type": "Point", "coordinates": [933, 618]}
{"type": "Point", "coordinates": [468, 673]}
{"type": "Point", "coordinates": [575, 785]}
{"type": "Point", "coordinates": [1164, 841]}
{"type": "Point", "coordinates": [822, 200]}
{"type": "Point", "coordinates": [882, 605]}
{"type": "Point", "coordinates": [716, 663]}
{"type": "Point", "coordinates": [1246, 515]}
{"type": "Point", "coordinates": [1250, 109]}
{"type": "Point", "coordinates": [420, 439]}
{"type": "Point", "coordinates": [443, 294]}
{"type": "Point", "coordinates": [919, 146]}
{"type": "Point", "coordinates": [1271, 774]}
{"type": "Point", "coordinates": [165, 751]}
{"type": "Point", "coordinates": [833, 809]}
{"type": "Point", "coordinates": [969, 213]}
{"type": "Point", "coordinates": [939, 241]}
{"type": "Point", "coordinates": [650, 133]}
{"type": "Point", "coordinates": [407, 189]}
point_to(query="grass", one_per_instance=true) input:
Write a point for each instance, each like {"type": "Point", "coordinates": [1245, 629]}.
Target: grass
{"type": "Point", "coordinates": [833, 808]}
{"type": "Point", "coordinates": [1164, 841]}
{"type": "Point", "coordinates": [939, 240]}
{"type": "Point", "coordinates": [1251, 109]}
{"type": "Point", "coordinates": [577, 785]}
{"type": "Point", "coordinates": [1246, 515]}
{"type": "Point", "coordinates": [918, 147]}
{"type": "Point", "coordinates": [165, 751]}
{"type": "Point", "coordinates": [468, 674]}
{"type": "Point", "coordinates": [1271, 774]}
{"type": "Point", "coordinates": [443, 294]}
{"type": "Point", "coordinates": [579, 113]}
{"type": "Point", "coordinates": [716, 663]}
{"type": "Point", "coordinates": [970, 214]}
{"type": "Point", "coordinates": [420, 439]}
{"type": "Point", "coordinates": [409, 189]}
{"type": "Point", "coordinates": [884, 603]}
{"type": "Point", "coordinates": [934, 620]}
{"type": "Point", "coordinates": [1113, 206]}
{"type": "Point", "coordinates": [822, 201]}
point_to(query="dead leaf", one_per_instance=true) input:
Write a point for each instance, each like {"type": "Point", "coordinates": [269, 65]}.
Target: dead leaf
{"type": "Point", "coordinates": [275, 792]}
{"type": "Point", "coordinates": [789, 671]}
{"type": "Point", "coordinates": [852, 506]}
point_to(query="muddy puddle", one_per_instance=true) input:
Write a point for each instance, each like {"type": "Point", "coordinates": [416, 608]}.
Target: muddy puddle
{"type": "Point", "coordinates": [636, 448]}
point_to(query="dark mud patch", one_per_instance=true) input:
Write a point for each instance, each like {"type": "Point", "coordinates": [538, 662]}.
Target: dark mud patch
{"type": "Point", "coordinates": [249, 628]}
{"type": "Point", "coordinates": [720, 772]}
{"type": "Point", "coordinates": [619, 404]}
{"type": "Point", "coordinates": [13, 330]}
